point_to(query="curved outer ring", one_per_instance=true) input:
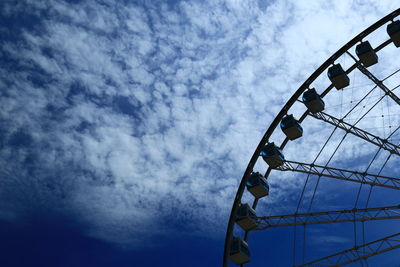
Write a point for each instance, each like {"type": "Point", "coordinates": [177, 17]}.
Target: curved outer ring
{"type": "Point", "coordinates": [280, 115]}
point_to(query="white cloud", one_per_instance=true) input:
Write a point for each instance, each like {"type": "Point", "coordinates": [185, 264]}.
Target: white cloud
{"type": "Point", "coordinates": [202, 82]}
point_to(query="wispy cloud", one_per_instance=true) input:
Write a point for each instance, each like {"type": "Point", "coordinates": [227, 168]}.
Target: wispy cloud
{"type": "Point", "coordinates": [138, 117]}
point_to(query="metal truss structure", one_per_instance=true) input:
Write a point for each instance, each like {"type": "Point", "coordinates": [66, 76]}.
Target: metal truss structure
{"type": "Point", "coordinates": [341, 174]}
{"type": "Point", "coordinates": [336, 216]}
{"type": "Point", "coordinates": [349, 128]}
{"type": "Point", "coordinates": [359, 252]}
{"type": "Point", "coordinates": [378, 82]}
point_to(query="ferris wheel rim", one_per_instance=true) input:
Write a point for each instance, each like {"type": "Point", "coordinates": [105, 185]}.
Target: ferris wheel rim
{"type": "Point", "coordinates": [284, 111]}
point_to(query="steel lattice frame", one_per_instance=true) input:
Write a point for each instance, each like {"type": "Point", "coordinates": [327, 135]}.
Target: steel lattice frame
{"type": "Point", "coordinates": [376, 140]}
{"type": "Point", "coordinates": [349, 255]}
{"type": "Point", "coordinates": [336, 216]}
{"type": "Point", "coordinates": [341, 174]}
{"type": "Point", "coordinates": [358, 253]}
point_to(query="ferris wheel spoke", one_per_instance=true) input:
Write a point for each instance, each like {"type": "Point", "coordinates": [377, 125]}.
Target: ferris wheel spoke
{"type": "Point", "coordinates": [378, 82]}
{"type": "Point", "coordinates": [382, 45]}
{"type": "Point", "coordinates": [358, 253]}
{"type": "Point", "coordinates": [336, 216]}
{"type": "Point", "coordinates": [349, 128]}
{"type": "Point", "coordinates": [341, 174]}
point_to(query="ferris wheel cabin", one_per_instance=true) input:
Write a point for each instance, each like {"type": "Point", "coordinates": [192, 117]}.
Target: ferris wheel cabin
{"type": "Point", "coordinates": [313, 101]}
{"type": "Point", "coordinates": [239, 251]}
{"type": "Point", "coordinates": [366, 54]}
{"type": "Point", "coordinates": [393, 29]}
{"type": "Point", "coordinates": [272, 155]}
{"type": "Point", "coordinates": [291, 127]}
{"type": "Point", "coordinates": [338, 76]}
{"type": "Point", "coordinates": [245, 217]}
{"type": "Point", "coordinates": [257, 185]}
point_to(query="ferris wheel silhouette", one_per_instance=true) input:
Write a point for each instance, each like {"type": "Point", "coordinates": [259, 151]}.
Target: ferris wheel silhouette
{"type": "Point", "coordinates": [348, 112]}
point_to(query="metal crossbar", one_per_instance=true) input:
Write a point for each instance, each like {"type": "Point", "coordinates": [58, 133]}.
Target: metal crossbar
{"type": "Point", "coordinates": [358, 253]}
{"type": "Point", "coordinates": [376, 140]}
{"type": "Point", "coordinates": [336, 216]}
{"type": "Point", "coordinates": [378, 82]}
{"type": "Point", "coordinates": [341, 174]}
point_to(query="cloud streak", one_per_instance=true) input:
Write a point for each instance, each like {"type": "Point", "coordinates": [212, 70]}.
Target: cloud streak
{"type": "Point", "coordinates": [135, 118]}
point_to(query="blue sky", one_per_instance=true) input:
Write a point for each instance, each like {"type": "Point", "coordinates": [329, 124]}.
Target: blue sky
{"type": "Point", "coordinates": [126, 125]}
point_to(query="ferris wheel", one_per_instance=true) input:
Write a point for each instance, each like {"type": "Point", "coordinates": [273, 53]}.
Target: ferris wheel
{"type": "Point", "coordinates": [328, 165]}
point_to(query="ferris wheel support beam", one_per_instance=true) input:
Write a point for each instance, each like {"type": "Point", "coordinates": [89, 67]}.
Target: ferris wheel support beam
{"type": "Point", "coordinates": [382, 45]}
{"type": "Point", "coordinates": [378, 82]}
{"type": "Point", "coordinates": [358, 253]}
{"type": "Point", "coordinates": [376, 140]}
{"type": "Point", "coordinates": [341, 174]}
{"type": "Point", "coordinates": [336, 216]}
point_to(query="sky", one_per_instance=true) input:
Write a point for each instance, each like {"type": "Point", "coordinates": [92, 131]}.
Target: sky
{"type": "Point", "coordinates": [126, 126]}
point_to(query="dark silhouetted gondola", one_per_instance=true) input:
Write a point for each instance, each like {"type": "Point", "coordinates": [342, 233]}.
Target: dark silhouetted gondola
{"type": "Point", "coordinates": [338, 76]}
{"type": "Point", "coordinates": [366, 54]}
{"type": "Point", "coordinates": [272, 155]}
{"type": "Point", "coordinates": [257, 185]}
{"type": "Point", "coordinates": [393, 29]}
{"type": "Point", "coordinates": [245, 217]}
{"type": "Point", "coordinates": [239, 252]}
{"type": "Point", "coordinates": [313, 101]}
{"type": "Point", "coordinates": [291, 127]}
